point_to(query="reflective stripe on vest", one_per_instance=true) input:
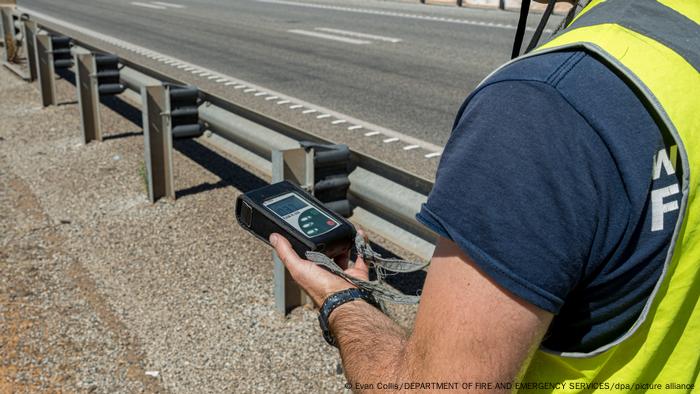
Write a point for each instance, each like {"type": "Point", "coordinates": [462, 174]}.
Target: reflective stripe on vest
{"type": "Point", "coordinates": [655, 47]}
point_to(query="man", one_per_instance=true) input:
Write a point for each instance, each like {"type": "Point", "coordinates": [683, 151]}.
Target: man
{"type": "Point", "coordinates": [564, 201]}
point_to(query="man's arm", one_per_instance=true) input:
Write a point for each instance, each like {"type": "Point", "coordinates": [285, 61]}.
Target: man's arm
{"type": "Point", "coordinates": [467, 329]}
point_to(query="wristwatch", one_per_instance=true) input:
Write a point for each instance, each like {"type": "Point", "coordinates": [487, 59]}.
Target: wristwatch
{"type": "Point", "coordinates": [337, 299]}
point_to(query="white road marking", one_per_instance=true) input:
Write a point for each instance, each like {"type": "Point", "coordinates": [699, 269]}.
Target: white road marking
{"type": "Point", "coordinates": [239, 86]}
{"type": "Point", "coordinates": [213, 77]}
{"type": "Point", "coordinates": [230, 83]}
{"type": "Point", "coordinates": [260, 94]}
{"type": "Point", "coordinates": [204, 74]}
{"type": "Point", "coordinates": [147, 5]}
{"type": "Point", "coordinates": [359, 35]}
{"type": "Point", "coordinates": [434, 150]}
{"type": "Point", "coordinates": [271, 98]}
{"type": "Point", "coordinates": [323, 116]}
{"type": "Point", "coordinates": [328, 37]}
{"type": "Point", "coordinates": [249, 90]}
{"type": "Point", "coordinates": [371, 133]}
{"type": "Point", "coordinates": [392, 139]}
{"type": "Point", "coordinates": [339, 121]}
{"type": "Point", "coordinates": [308, 111]}
{"type": "Point", "coordinates": [395, 14]}
{"type": "Point", "coordinates": [164, 4]}
{"type": "Point", "coordinates": [410, 147]}
{"type": "Point", "coordinates": [221, 80]}
{"type": "Point", "coordinates": [282, 102]}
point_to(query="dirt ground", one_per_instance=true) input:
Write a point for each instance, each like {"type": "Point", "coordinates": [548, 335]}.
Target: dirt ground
{"type": "Point", "coordinates": [101, 291]}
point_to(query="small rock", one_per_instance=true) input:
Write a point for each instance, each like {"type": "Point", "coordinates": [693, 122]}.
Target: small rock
{"type": "Point", "coordinates": [153, 373]}
{"type": "Point", "coordinates": [116, 157]}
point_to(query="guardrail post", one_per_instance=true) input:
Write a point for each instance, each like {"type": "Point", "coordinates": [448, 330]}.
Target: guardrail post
{"type": "Point", "coordinates": [297, 166]}
{"type": "Point", "coordinates": [158, 141]}
{"type": "Point", "coordinates": [8, 34]}
{"type": "Point", "coordinates": [30, 30]}
{"type": "Point", "coordinates": [12, 29]}
{"type": "Point", "coordinates": [88, 96]}
{"type": "Point", "coordinates": [47, 78]}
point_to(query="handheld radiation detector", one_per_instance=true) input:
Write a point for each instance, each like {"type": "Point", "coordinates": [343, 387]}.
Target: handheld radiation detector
{"type": "Point", "coordinates": [286, 209]}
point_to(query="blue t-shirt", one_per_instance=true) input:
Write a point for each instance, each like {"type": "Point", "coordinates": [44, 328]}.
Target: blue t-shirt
{"type": "Point", "coordinates": [560, 186]}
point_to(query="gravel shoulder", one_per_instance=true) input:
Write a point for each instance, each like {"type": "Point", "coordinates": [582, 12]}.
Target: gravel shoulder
{"type": "Point", "coordinates": [98, 286]}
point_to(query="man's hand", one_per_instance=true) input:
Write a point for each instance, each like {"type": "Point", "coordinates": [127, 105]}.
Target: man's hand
{"type": "Point", "coordinates": [316, 281]}
{"type": "Point", "coordinates": [467, 329]}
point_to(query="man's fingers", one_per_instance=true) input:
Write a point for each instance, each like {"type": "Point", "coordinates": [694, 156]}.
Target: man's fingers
{"type": "Point", "coordinates": [360, 261]}
{"type": "Point", "coordinates": [289, 257]}
{"type": "Point", "coordinates": [316, 281]}
{"type": "Point", "coordinates": [359, 269]}
{"type": "Point", "coordinates": [343, 259]}
{"type": "Point", "coordinates": [363, 234]}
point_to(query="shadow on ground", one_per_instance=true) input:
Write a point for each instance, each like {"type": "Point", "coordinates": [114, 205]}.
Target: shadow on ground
{"type": "Point", "coordinates": [231, 175]}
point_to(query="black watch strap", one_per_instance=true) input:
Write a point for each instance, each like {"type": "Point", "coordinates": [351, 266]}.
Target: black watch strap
{"type": "Point", "coordinates": [335, 300]}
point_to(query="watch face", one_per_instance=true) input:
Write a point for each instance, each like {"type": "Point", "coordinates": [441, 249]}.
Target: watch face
{"type": "Point", "coordinates": [300, 214]}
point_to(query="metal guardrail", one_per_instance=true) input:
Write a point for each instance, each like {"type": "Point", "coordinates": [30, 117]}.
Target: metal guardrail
{"type": "Point", "coordinates": [372, 190]}
{"type": "Point", "coordinates": [387, 198]}
{"type": "Point", "coordinates": [396, 202]}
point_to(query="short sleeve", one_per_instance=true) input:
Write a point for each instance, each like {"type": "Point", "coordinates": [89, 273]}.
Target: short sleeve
{"type": "Point", "coordinates": [517, 189]}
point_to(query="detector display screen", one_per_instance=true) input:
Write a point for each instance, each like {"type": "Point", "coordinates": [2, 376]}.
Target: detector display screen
{"type": "Point", "coordinates": [287, 206]}
{"type": "Point", "coordinates": [300, 214]}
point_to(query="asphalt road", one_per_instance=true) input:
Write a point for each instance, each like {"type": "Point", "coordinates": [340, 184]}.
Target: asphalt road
{"type": "Point", "coordinates": [402, 66]}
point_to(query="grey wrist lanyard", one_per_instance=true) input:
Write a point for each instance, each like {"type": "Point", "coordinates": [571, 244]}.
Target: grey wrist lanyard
{"type": "Point", "coordinates": [378, 288]}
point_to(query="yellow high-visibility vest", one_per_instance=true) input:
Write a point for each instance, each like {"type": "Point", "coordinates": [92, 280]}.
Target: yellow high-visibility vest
{"type": "Point", "coordinates": [654, 46]}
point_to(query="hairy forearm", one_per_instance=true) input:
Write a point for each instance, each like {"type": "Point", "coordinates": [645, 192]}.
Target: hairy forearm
{"type": "Point", "coordinates": [467, 329]}
{"type": "Point", "coordinates": [372, 346]}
